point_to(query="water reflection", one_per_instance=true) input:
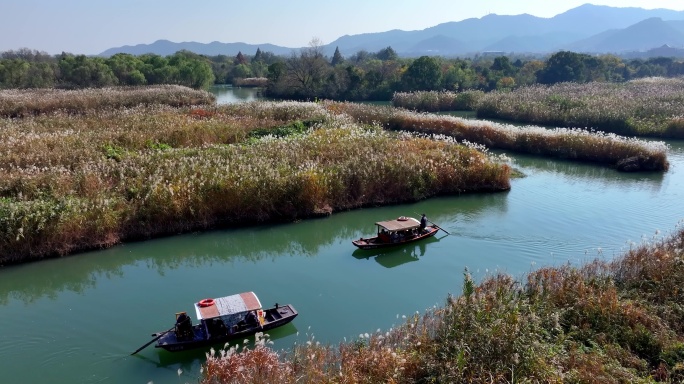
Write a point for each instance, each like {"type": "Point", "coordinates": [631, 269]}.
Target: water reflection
{"type": "Point", "coordinates": [396, 256]}
{"type": "Point", "coordinates": [576, 172]}
{"type": "Point", "coordinates": [79, 273]}
{"type": "Point", "coordinates": [227, 94]}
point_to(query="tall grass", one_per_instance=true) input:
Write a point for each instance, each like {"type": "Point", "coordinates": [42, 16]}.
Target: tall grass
{"type": "Point", "coordinates": [73, 182]}
{"type": "Point", "coordinates": [625, 154]}
{"type": "Point", "coordinates": [603, 322]}
{"type": "Point", "coordinates": [644, 107]}
{"type": "Point", "coordinates": [436, 101]}
{"type": "Point", "coordinates": [21, 102]}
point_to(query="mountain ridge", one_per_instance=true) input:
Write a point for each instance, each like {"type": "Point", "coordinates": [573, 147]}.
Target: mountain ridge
{"type": "Point", "coordinates": [587, 29]}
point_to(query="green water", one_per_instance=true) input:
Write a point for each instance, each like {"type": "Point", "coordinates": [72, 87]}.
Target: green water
{"type": "Point", "coordinates": [77, 319]}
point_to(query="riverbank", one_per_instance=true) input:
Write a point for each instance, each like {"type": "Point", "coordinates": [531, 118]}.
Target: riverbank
{"type": "Point", "coordinates": [76, 182]}
{"type": "Point", "coordinates": [615, 321]}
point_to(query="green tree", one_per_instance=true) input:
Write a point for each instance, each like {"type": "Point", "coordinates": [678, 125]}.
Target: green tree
{"type": "Point", "coordinates": [83, 72]}
{"type": "Point", "coordinates": [157, 70]}
{"type": "Point", "coordinates": [503, 65]}
{"type": "Point", "coordinates": [258, 56]}
{"type": "Point", "coordinates": [423, 74]}
{"type": "Point", "coordinates": [240, 59]}
{"type": "Point", "coordinates": [193, 70]}
{"type": "Point", "coordinates": [564, 66]}
{"type": "Point", "coordinates": [241, 71]}
{"type": "Point", "coordinates": [127, 69]}
{"type": "Point", "coordinates": [14, 73]}
{"type": "Point", "coordinates": [527, 75]}
{"type": "Point", "coordinates": [41, 75]}
{"type": "Point", "coordinates": [386, 54]}
{"type": "Point", "coordinates": [337, 58]}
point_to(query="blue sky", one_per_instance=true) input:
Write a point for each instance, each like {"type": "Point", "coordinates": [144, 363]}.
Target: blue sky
{"type": "Point", "coordinates": [92, 26]}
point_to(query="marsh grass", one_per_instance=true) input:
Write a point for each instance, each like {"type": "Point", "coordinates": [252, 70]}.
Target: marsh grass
{"type": "Point", "coordinates": [625, 154]}
{"type": "Point", "coordinates": [436, 101]}
{"type": "Point", "coordinates": [21, 103]}
{"type": "Point", "coordinates": [70, 182]}
{"type": "Point", "coordinates": [602, 322]}
{"type": "Point", "coordinates": [644, 107]}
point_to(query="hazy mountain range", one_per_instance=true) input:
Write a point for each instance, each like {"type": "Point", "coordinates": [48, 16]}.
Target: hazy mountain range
{"type": "Point", "coordinates": [587, 28]}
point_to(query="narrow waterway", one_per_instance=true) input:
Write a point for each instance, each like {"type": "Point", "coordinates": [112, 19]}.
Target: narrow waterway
{"type": "Point", "coordinates": [77, 319]}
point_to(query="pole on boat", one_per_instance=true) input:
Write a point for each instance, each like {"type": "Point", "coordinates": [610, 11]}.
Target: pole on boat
{"type": "Point", "coordinates": [436, 226]}
{"type": "Point", "coordinates": [153, 340]}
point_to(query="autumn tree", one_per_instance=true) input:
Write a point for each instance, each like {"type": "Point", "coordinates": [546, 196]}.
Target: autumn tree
{"type": "Point", "coordinates": [307, 72]}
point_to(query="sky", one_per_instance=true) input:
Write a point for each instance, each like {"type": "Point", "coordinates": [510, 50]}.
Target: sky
{"type": "Point", "coordinates": [93, 26]}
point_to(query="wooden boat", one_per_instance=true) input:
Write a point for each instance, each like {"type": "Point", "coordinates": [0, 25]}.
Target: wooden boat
{"type": "Point", "coordinates": [223, 319]}
{"type": "Point", "coordinates": [396, 232]}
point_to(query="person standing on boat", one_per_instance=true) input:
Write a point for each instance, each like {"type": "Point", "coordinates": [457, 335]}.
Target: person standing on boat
{"type": "Point", "coordinates": [423, 223]}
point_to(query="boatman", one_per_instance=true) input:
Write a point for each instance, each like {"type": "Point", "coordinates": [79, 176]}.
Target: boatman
{"type": "Point", "coordinates": [423, 223]}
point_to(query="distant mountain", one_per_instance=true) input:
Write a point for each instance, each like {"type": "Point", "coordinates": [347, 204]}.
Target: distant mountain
{"type": "Point", "coordinates": [587, 28]}
{"type": "Point", "coordinates": [165, 48]}
{"type": "Point", "coordinates": [642, 36]}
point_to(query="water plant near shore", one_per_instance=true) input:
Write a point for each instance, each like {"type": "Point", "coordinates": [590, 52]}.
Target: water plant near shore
{"type": "Point", "coordinates": [606, 321]}
{"type": "Point", "coordinates": [626, 154]}
{"type": "Point", "coordinates": [73, 182]}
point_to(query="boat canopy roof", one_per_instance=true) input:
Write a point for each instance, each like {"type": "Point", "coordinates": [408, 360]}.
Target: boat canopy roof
{"type": "Point", "coordinates": [229, 305]}
{"type": "Point", "coordinates": [400, 224]}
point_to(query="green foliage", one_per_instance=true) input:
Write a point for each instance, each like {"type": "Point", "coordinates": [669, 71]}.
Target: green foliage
{"type": "Point", "coordinates": [423, 74]}
{"type": "Point", "coordinates": [114, 152]}
{"type": "Point", "coordinates": [158, 146]}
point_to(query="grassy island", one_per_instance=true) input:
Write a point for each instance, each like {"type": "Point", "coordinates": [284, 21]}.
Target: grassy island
{"type": "Point", "coordinates": [83, 178]}
{"type": "Point", "coordinates": [623, 153]}
{"type": "Point", "coordinates": [652, 107]}
{"type": "Point", "coordinates": [603, 322]}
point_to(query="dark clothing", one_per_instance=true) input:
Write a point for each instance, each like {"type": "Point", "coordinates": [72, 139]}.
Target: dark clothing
{"type": "Point", "coordinates": [423, 222]}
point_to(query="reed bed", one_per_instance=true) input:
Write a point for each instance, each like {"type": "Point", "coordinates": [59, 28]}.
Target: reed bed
{"type": "Point", "coordinates": [625, 154]}
{"type": "Point", "coordinates": [603, 322]}
{"type": "Point", "coordinates": [21, 102]}
{"type": "Point", "coordinates": [74, 182]}
{"type": "Point", "coordinates": [643, 107]}
{"type": "Point", "coordinates": [436, 101]}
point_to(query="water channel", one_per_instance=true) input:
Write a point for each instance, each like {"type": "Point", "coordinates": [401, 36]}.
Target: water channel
{"type": "Point", "coordinates": [77, 319]}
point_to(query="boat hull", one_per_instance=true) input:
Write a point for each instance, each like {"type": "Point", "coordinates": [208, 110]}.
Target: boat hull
{"type": "Point", "coordinates": [376, 242]}
{"type": "Point", "coordinates": [273, 318]}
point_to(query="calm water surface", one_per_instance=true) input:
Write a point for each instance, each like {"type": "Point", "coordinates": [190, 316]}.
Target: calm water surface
{"type": "Point", "coordinates": [227, 94]}
{"type": "Point", "coordinates": [77, 319]}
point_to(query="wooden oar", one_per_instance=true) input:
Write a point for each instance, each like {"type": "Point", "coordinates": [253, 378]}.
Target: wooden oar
{"type": "Point", "coordinates": [153, 340]}
{"type": "Point", "coordinates": [436, 226]}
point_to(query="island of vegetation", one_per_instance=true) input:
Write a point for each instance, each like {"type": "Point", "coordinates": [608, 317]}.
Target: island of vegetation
{"type": "Point", "coordinates": [85, 169]}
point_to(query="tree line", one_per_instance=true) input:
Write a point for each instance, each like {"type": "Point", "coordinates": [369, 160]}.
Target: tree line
{"type": "Point", "coordinates": [26, 68]}
{"type": "Point", "coordinates": [309, 73]}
